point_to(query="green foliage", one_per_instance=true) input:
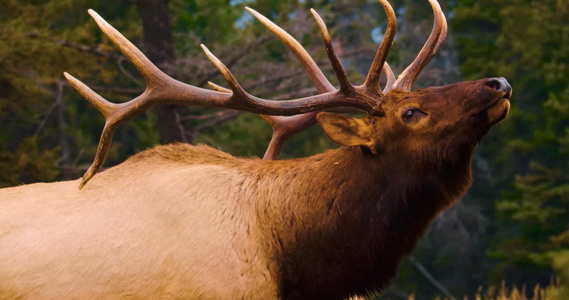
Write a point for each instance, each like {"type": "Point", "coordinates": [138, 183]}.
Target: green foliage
{"type": "Point", "coordinates": [539, 209]}
{"type": "Point", "coordinates": [28, 164]}
{"type": "Point", "coordinates": [34, 164]}
{"type": "Point", "coordinates": [247, 135]}
{"type": "Point", "coordinates": [33, 57]}
{"type": "Point", "coordinates": [210, 19]}
{"type": "Point", "coordinates": [528, 43]}
{"type": "Point", "coordinates": [9, 173]}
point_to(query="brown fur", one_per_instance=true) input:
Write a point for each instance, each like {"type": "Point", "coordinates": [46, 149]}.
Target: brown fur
{"type": "Point", "coordinates": [182, 221]}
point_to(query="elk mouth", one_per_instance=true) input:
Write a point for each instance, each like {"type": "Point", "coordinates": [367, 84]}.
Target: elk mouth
{"type": "Point", "coordinates": [498, 111]}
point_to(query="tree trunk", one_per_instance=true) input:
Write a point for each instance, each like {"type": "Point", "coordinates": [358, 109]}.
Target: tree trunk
{"type": "Point", "coordinates": [159, 48]}
{"type": "Point", "coordinates": [64, 150]}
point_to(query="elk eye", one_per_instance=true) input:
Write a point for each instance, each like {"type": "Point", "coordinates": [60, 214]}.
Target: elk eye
{"type": "Point", "coordinates": [412, 115]}
{"type": "Point", "coordinates": [409, 113]}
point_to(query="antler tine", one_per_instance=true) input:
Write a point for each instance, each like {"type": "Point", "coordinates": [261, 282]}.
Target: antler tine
{"type": "Point", "coordinates": [111, 112]}
{"type": "Point", "coordinates": [103, 106]}
{"type": "Point", "coordinates": [218, 88]}
{"type": "Point", "coordinates": [343, 80]}
{"type": "Point", "coordinates": [443, 36]}
{"type": "Point", "coordinates": [390, 78]}
{"type": "Point", "coordinates": [316, 76]}
{"type": "Point", "coordinates": [140, 61]}
{"type": "Point", "coordinates": [226, 73]}
{"type": "Point", "coordinates": [372, 80]}
{"type": "Point", "coordinates": [283, 128]}
{"type": "Point", "coordinates": [102, 152]}
{"type": "Point", "coordinates": [433, 44]}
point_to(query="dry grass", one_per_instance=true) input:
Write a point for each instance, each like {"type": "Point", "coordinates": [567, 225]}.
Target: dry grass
{"type": "Point", "coordinates": [551, 292]}
{"type": "Point", "coordinates": [555, 291]}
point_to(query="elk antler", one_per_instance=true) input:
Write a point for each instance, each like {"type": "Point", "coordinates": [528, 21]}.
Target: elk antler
{"type": "Point", "coordinates": [286, 117]}
{"type": "Point", "coordinates": [286, 126]}
{"type": "Point", "coordinates": [432, 46]}
{"type": "Point", "coordinates": [162, 89]}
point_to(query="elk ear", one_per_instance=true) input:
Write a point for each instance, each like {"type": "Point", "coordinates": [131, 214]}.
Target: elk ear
{"type": "Point", "coordinates": [347, 131]}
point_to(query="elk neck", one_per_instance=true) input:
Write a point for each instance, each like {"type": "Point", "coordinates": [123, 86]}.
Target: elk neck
{"type": "Point", "coordinates": [338, 206]}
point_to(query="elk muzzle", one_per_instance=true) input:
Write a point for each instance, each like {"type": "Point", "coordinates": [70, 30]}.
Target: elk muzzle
{"type": "Point", "coordinates": [499, 105]}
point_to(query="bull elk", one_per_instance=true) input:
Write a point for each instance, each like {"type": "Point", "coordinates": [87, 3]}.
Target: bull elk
{"type": "Point", "coordinates": [192, 222]}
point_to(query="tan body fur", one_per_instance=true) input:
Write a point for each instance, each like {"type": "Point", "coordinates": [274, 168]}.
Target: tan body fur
{"type": "Point", "coordinates": [60, 242]}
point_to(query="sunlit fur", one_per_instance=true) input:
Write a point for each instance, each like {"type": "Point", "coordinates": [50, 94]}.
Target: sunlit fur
{"type": "Point", "coordinates": [192, 222]}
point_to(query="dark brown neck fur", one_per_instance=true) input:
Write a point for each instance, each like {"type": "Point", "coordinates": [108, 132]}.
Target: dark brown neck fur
{"type": "Point", "coordinates": [357, 221]}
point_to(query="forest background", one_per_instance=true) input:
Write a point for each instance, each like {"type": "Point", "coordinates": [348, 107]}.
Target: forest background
{"type": "Point", "coordinates": [513, 225]}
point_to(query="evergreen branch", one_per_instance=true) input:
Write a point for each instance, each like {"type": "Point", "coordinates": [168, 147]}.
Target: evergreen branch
{"type": "Point", "coordinates": [81, 48]}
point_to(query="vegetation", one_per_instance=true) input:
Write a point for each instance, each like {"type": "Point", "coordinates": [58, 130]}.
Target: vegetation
{"type": "Point", "coordinates": [527, 42]}
{"type": "Point", "coordinates": [553, 291]}
{"type": "Point", "coordinates": [512, 225]}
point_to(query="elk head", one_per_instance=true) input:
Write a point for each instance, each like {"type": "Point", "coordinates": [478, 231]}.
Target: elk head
{"type": "Point", "coordinates": [437, 119]}
{"type": "Point", "coordinates": [398, 119]}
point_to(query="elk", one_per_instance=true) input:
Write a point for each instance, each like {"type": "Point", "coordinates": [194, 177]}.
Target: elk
{"type": "Point", "coordinates": [192, 222]}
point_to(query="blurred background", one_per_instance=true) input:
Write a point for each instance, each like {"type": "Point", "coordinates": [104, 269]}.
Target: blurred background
{"type": "Point", "coordinates": [511, 227]}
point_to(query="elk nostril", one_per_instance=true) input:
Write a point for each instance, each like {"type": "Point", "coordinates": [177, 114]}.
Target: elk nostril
{"type": "Point", "coordinates": [500, 85]}
{"type": "Point", "coordinates": [494, 84]}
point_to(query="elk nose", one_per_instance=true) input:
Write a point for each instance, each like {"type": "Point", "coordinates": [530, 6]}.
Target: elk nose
{"type": "Point", "coordinates": [500, 84]}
